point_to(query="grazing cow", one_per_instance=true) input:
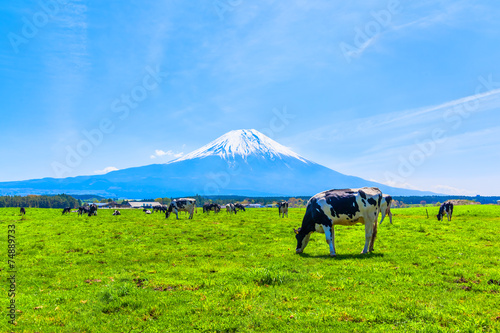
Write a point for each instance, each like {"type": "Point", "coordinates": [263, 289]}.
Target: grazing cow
{"type": "Point", "coordinates": [66, 210]}
{"type": "Point", "coordinates": [207, 208]}
{"type": "Point", "coordinates": [211, 206]}
{"type": "Point", "coordinates": [283, 208]}
{"type": "Point", "coordinates": [216, 208]}
{"type": "Point", "coordinates": [147, 211]}
{"type": "Point", "coordinates": [385, 207]}
{"type": "Point", "coordinates": [446, 208]}
{"type": "Point", "coordinates": [181, 205]}
{"type": "Point", "coordinates": [160, 208]}
{"type": "Point", "coordinates": [340, 207]}
{"type": "Point", "coordinates": [23, 211]}
{"type": "Point", "coordinates": [230, 208]}
{"type": "Point", "coordinates": [83, 210]}
{"type": "Point", "coordinates": [117, 212]}
{"type": "Point", "coordinates": [92, 210]}
{"type": "Point", "coordinates": [239, 206]}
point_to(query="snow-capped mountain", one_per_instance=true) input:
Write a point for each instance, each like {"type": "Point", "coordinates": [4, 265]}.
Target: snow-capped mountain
{"type": "Point", "coordinates": [241, 162]}
{"type": "Point", "coordinates": [242, 143]}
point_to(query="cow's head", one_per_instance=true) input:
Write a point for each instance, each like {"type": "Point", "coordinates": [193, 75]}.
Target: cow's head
{"type": "Point", "coordinates": [169, 210]}
{"type": "Point", "coordinates": [439, 216]}
{"type": "Point", "coordinates": [302, 239]}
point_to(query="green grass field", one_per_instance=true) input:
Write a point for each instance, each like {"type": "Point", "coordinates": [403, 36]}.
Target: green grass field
{"type": "Point", "coordinates": [221, 273]}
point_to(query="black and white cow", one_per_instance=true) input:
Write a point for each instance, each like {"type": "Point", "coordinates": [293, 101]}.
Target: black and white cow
{"type": "Point", "coordinates": [446, 208]}
{"type": "Point", "coordinates": [147, 211]}
{"type": "Point", "coordinates": [340, 207]}
{"type": "Point", "coordinates": [92, 210]}
{"type": "Point", "coordinates": [23, 211]}
{"type": "Point", "coordinates": [230, 208]}
{"type": "Point", "coordinates": [117, 212]}
{"type": "Point", "coordinates": [283, 208]}
{"type": "Point", "coordinates": [66, 210]}
{"type": "Point", "coordinates": [239, 206]}
{"type": "Point", "coordinates": [385, 207]}
{"type": "Point", "coordinates": [181, 205]}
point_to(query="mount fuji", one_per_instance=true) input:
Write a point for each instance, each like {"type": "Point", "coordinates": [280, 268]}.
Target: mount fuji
{"type": "Point", "coordinates": [240, 162]}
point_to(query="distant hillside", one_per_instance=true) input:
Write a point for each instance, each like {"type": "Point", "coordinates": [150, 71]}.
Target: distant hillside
{"type": "Point", "coordinates": [241, 162]}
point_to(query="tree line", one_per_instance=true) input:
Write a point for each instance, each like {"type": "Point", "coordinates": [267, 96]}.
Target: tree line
{"type": "Point", "coordinates": [40, 201]}
{"type": "Point", "coordinates": [64, 200]}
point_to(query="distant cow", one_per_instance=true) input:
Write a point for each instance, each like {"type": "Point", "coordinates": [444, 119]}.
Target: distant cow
{"type": "Point", "coordinates": [66, 210]}
{"type": "Point", "coordinates": [230, 208]}
{"type": "Point", "coordinates": [160, 208]}
{"type": "Point", "coordinates": [83, 210]}
{"type": "Point", "coordinates": [117, 212]}
{"type": "Point", "coordinates": [340, 207]}
{"type": "Point", "coordinates": [283, 208]}
{"type": "Point", "coordinates": [92, 210]}
{"type": "Point", "coordinates": [239, 206]}
{"type": "Point", "coordinates": [446, 208]}
{"type": "Point", "coordinates": [385, 207]}
{"type": "Point", "coordinates": [23, 211]}
{"type": "Point", "coordinates": [181, 205]}
{"type": "Point", "coordinates": [147, 211]}
{"type": "Point", "coordinates": [211, 207]}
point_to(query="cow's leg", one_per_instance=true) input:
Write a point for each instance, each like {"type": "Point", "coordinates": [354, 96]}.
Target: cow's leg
{"type": "Point", "coordinates": [390, 216]}
{"type": "Point", "coordinates": [330, 239]}
{"type": "Point", "coordinates": [374, 234]}
{"type": "Point", "coordinates": [191, 214]}
{"type": "Point", "coordinates": [368, 235]}
{"type": "Point", "coordinates": [177, 214]}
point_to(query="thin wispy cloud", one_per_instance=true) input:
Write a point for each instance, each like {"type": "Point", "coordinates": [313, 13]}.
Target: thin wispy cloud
{"type": "Point", "coordinates": [168, 153]}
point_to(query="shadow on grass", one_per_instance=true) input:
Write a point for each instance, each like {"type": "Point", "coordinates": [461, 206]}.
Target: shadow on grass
{"type": "Point", "coordinates": [360, 256]}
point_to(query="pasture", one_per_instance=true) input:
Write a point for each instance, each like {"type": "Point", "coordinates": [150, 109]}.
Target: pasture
{"type": "Point", "coordinates": [240, 273]}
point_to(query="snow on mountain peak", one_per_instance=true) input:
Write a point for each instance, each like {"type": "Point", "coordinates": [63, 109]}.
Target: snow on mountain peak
{"type": "Point", "coordinates": [242, 143]}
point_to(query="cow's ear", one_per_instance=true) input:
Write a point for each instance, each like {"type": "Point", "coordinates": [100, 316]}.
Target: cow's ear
{"type": "Point", "coordinates": [296, 231]}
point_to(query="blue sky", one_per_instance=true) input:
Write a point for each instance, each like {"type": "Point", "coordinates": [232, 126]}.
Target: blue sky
{"type": "Point", "coordinates": [404, 93]}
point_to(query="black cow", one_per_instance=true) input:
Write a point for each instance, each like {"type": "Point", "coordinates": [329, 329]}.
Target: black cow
{"type": "Point", "coordinates": [160, 208]}
{"type": "Point", "coordinates": [239, 206]}
{"type": "Point", "coordinates": [83, 210]}
{"type": "Point", "coordinates": [283, 208]}
{"type": "Point", "coordinates": [66, 210]}
{"type": "Point", "coordinates": [446, 208]}
{"type": "Point", "coordinates": [211, 206]}
{"type": "Point", "coordinates": [117, 212]}
{"type": "Point", "coordinates": [23, 211]}
{"type": "Point", "coordinates": [340, 207]}
{"type": "Point", "coordinates": [385, 207]}
{"type": "Point", "coordinates": [184, 205]}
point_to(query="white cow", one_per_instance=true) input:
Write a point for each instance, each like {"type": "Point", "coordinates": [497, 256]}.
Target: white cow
{"type": "Point", "coordinates": [283, 208]}
{"type": "Point", "coordinates": [230, 208]}
{"type": "Point", "coordinates": [385, 207]}
{"type": "Point", "coordinates": [181, 205]}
